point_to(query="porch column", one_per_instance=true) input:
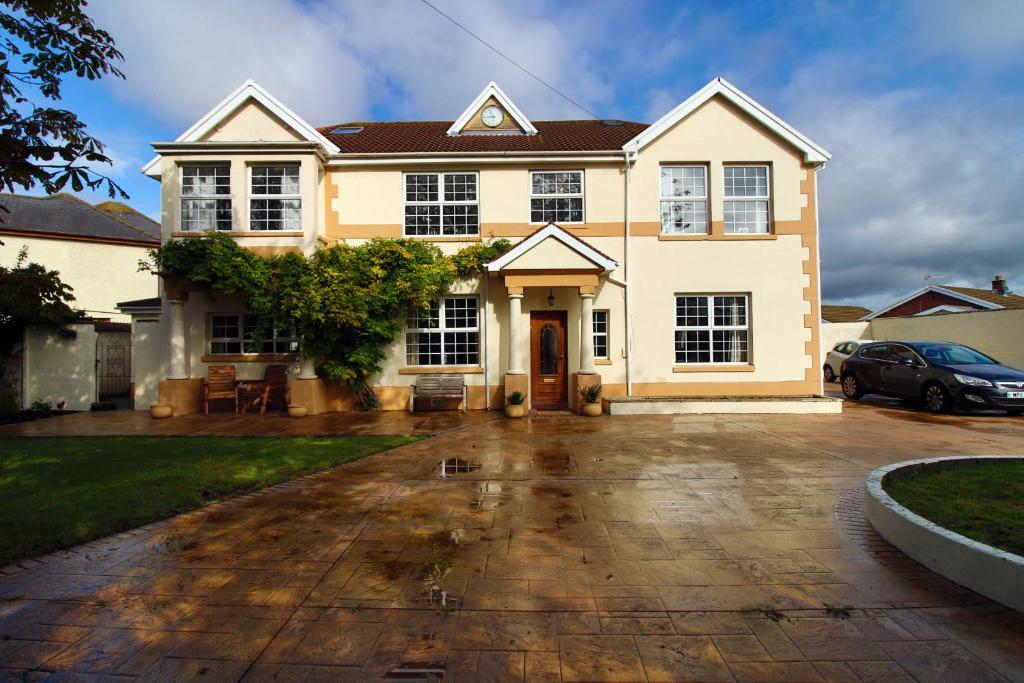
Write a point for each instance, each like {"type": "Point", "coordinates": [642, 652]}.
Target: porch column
{"type": "Point", "coordinates": [307, 368]}
{"type": "Point", "coordinates": [587, 334]}
{"type": "Point", "coordinates": [515, 333]}
{"type": "Point", "coordinates": [177, 369]}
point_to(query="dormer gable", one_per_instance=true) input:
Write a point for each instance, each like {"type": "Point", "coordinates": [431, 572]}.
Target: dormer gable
{"type": "Point", "coordinates": [492, 113]}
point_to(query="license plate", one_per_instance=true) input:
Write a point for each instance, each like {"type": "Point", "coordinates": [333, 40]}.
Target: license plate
{"type": "Point", "coordinates": [1015, 394]}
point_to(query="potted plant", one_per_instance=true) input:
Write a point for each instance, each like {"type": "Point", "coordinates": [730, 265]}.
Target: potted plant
{"type": "Point", "coordinates": [298, 410]}
{"type": "Point", "coordinates": [161, 411]}
{"type": "Point", "coordinates": [515, 404]}
{"type": "Point", "coordinates": [591, 395]}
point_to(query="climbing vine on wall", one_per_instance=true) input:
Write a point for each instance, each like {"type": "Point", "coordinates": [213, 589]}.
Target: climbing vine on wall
{"type": "Point", "coordinates": [346, 303]}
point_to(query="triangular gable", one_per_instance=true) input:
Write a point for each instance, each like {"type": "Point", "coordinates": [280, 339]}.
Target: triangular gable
{"type": "Point", "coordinates": [248, 91]}
{"type": "Point", "coordinates": [552, 241]}
{"type": "Point", "coordinates": [812, 152]}
{"type": "Point", "coordinates": [987, 305]}
{"type": "Point", "coordinates": [492, 94]}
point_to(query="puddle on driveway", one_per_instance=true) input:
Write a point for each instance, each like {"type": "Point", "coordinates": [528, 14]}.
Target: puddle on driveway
{"type": "Point", "coordinates": [457, 466]}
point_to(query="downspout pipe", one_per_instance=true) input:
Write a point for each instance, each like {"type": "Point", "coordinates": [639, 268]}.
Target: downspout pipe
{"type": "Point", "coordinates": [487, 354]}
{"type": "Point", "coordinates": [629, 156]}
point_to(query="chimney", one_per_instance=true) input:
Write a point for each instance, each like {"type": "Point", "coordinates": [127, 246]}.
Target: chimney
{"type": "Point", "coordinates": [999, 285]}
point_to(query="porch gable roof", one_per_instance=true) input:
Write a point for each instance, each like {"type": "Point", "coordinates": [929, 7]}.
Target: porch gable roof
{"type": "Point", "coordinates": [574, 244]}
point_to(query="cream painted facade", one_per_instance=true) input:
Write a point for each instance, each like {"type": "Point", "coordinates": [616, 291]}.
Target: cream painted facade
{"type": "Point", "coordinates": [596, 264]}
{"type": "Point", "coordinates": [96, 292]}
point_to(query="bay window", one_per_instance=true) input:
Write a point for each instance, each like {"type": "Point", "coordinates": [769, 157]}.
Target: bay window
{"type": "Point", "coordinates": [441, 204]}
{"type": "Point", "coordinates": [712, 329]}
{"type": "Point", "coordinates": [274, 198]}
{"type": "Point", "coordinates": [205, 198]}
{"type": "Point", "coordinates": [239, 333]}
{"type": "Point", "coordinates": [747, 193]}
{"type": "Point", "coordinates": [556, 196]}
{"type": "Point", "coordinates": [684, 200]}
{"type": "Point", "coordinates": [446, 334]}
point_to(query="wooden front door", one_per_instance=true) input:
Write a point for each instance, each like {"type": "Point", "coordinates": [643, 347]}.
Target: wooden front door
{"type": "Point", "coordinates": [549, 381]}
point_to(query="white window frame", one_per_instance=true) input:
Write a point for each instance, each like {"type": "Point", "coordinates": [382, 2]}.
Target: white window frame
{"type": "Point", "coordinates": [241, 340]}
{"type": "Point", "coordinates": [182, 197]}
{"type": "Point", "coordinates": [581, 195]}
{"type": "Point", "coordinates": [441, 203]}
{"type": "Point", "coordinates": [767, 199]}
{"type": "Point", "coordinates": [606, 334]}
{"type": "Point", "coordinates": [442, 330]}
{"type": "Point", "coordinates": [253, 196]}
{"type": "Point", "coordinates": [672, 199]}
{"type": "Point", "coordinates": [711, 328]}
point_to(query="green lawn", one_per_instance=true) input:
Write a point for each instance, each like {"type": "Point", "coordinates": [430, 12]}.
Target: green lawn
{"type": "Point", "coordinates": [58, 492]}
{"type": "Point", "coordinates": [982, 501]}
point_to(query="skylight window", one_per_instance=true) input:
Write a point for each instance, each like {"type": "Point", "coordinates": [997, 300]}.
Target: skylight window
{"type": "Point", "coordinates": [347, 130]}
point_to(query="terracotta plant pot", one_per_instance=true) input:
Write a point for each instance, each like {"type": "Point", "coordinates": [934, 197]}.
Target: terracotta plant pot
{"type": "Point", "coordinates": [591, 409]}
{"type": "Point", "coordinates": [515, 411]}
{"type": "Point", "coordinates": [298, 410]}
{"type": "Point", "coordinates": [160, 411]}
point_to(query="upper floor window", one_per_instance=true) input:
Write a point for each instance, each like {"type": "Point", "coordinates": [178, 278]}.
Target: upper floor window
{"type": "Point", "coordinates": [684, 200]}
{"type": "Point", "coordinates": [274, 198]}
{"type": "Point", "coordinates": [746, 199]}
{"type": "Point", "coordinates": [712, 329]}
{"type": "Point", "coordinates": [441, 204]}
{"type": "Point", "coordinates": [447, 334]}
{"type": "Point", "coordinates": [556, 196]}
{"type": "Point", "coordinates": [235, 333]}
{"type": "Point", "coordinates": [601, 335]}
{"type": "Point", "coordinates": [205, 198]}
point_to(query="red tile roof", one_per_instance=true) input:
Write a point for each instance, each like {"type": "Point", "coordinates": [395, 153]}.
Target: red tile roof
{"type": "Point", "coordinates": [842, 314]}
{"type": "Point", "coordinates": [1009, 300]}
{"type": "Point", "coordinates": [411, 137]}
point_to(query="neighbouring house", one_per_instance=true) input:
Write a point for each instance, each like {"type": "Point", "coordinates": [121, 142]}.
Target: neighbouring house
{"type": "Point", "coordinates": [673, 259]}
{"type": "Point", "coordinates": [842, 314]}
{"type": "Point", "coordinates": [96, 249]}
{"type": "Point", "coordinates": [933, 299]}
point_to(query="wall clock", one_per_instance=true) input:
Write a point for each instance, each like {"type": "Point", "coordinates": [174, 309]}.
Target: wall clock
{"type": "Point", "coordinates": [492, 116]}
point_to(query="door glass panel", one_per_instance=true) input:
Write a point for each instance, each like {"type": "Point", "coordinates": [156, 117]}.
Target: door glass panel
{"type": "Point", "coordinates": [548, 350]}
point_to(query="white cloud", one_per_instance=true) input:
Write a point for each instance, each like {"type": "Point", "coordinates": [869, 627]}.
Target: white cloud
{"type": "Point", "coordinates": [990, 31]}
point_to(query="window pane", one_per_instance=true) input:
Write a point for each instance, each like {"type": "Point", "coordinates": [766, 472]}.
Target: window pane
{"type": "Point", "coordinates": [600, 334]}
{"type": "Point", "coordinates": [423, 348]}
{"type": "Point", "coordinates": [460, 219]}
{"type": "Point", "coordinates": [205, 180]}
{"type": "Point", "coordinates": [746, 216]}
{"type": "Point", "coordinates": [275, 214]}
{"type": "Point", "coordinates": [421, 187]}
{"type": "Point", "coordinates": [686, 218]}
{"type": "Point", "coordinates": [559, 210]}
{"type": "Point", "coordinates": [200, 215]}
{"type": "Point", "coordinates": [691, 311]}
{"type": "Point", "coordinates": [746, 181]}
{"type": "Point", "coordinates": [693, 346]}
{"type": "Point", "coordinates": [275, 180]}
{"type": "Point", "coordinates": [730, 311]}
{"type": "Point", "coordinates": [423, 320]}
{"type": "Point", "coordinates": [460, 312]}
{"type": "Point", "coordinates": [423, 220]}
{"type": "Point", "coordinates": [460, 187]}
{"type": "Point", "coordinates": [683, 181]}
{"type": "Point", "coordinates": [729, 346]}
{"type": "Point", "coordinates": [554, 183]}
{"type": "Point", "coordinates": [461, 348]}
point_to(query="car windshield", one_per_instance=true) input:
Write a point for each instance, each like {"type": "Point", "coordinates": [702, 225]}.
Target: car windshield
{"type": "Point", "coordinates": [953, 354]}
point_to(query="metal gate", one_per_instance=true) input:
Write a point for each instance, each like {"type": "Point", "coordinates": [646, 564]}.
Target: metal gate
{"type": "Point", "coordinates": [113, 365]}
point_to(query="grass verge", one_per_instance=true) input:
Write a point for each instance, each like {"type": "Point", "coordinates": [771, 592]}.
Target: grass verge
{"type": "Point", "coordinates": [982, 501]}
{"type": "Point", "coordinates": [59, 492]}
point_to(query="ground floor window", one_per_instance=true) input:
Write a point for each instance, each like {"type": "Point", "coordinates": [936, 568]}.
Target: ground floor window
{"type": "Point", "coordinates": [601, 335]}
{"type": "Point", "coordinates": [235, 333]}
{"type": "Point", "coordinates": [447, 334]}
{"type": "Point", "coordinates": [712, 328]}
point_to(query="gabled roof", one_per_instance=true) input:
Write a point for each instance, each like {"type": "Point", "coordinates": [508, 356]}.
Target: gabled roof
{"type": "Point", "coordinates": [250, 90]}
{"type": "Point", "coordinates": [150, 305]}
{"type": "Point", "coordinates": [600, 260]}
{"type": "Point", "coordinates": [980, 298]}
{"type": "Point", "coordinates": [132, 217]}
{"type": "Point", "coordinates": [843, 314]}
{"type": "Point", "coordinates": [492, 90]}
{"type": "Point", "coordinates": [63, 216]}
{"type": "Point", "coordinates": [719, 86]}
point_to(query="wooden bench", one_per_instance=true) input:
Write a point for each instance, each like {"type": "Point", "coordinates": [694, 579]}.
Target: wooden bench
{"type": "Point", "coordinates": [438, 386]}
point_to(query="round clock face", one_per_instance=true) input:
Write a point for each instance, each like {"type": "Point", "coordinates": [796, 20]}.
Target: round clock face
{"type": "Point", "coordinates": [492, 116]}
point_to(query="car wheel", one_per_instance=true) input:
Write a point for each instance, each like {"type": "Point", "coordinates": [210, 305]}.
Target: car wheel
{"type": "Point", "coordinates": [830, 375]}
{"type": "Point", "coordinates": [937, 399]}
{"type": "Point", "coordinates": [851, 387]}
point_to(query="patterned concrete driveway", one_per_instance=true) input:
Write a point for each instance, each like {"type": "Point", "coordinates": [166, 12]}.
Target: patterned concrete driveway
{"type": "Point", "coordinates": [689, 548]}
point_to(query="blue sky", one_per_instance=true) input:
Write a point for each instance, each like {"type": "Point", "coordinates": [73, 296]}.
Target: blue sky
{"type": "Point", "coordinates": [918, 101]}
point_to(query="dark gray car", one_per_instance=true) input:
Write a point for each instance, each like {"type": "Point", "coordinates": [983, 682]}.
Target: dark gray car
{"type": "Point", "coordinates": [941, 374]}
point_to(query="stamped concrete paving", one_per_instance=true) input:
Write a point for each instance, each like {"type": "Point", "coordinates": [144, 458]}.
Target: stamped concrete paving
{"type": "Point", "coordinates": [635, 548]}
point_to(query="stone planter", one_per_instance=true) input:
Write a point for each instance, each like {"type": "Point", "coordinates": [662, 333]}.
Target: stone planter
{"type": "Point", "coordinates": [590, 409]}
{"type": "Point", "coordinates": [160, 411]}
{"type": "Point", "coordinates": [515, 410]}
{"type": "Point", "coordinates": [298, 410]}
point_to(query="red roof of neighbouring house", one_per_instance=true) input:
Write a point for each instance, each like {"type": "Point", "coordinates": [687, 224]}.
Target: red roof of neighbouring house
{"type": "Point", "coordinates": [842, 314]}
{"type": "Point", "coordinates": [413, 137]}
